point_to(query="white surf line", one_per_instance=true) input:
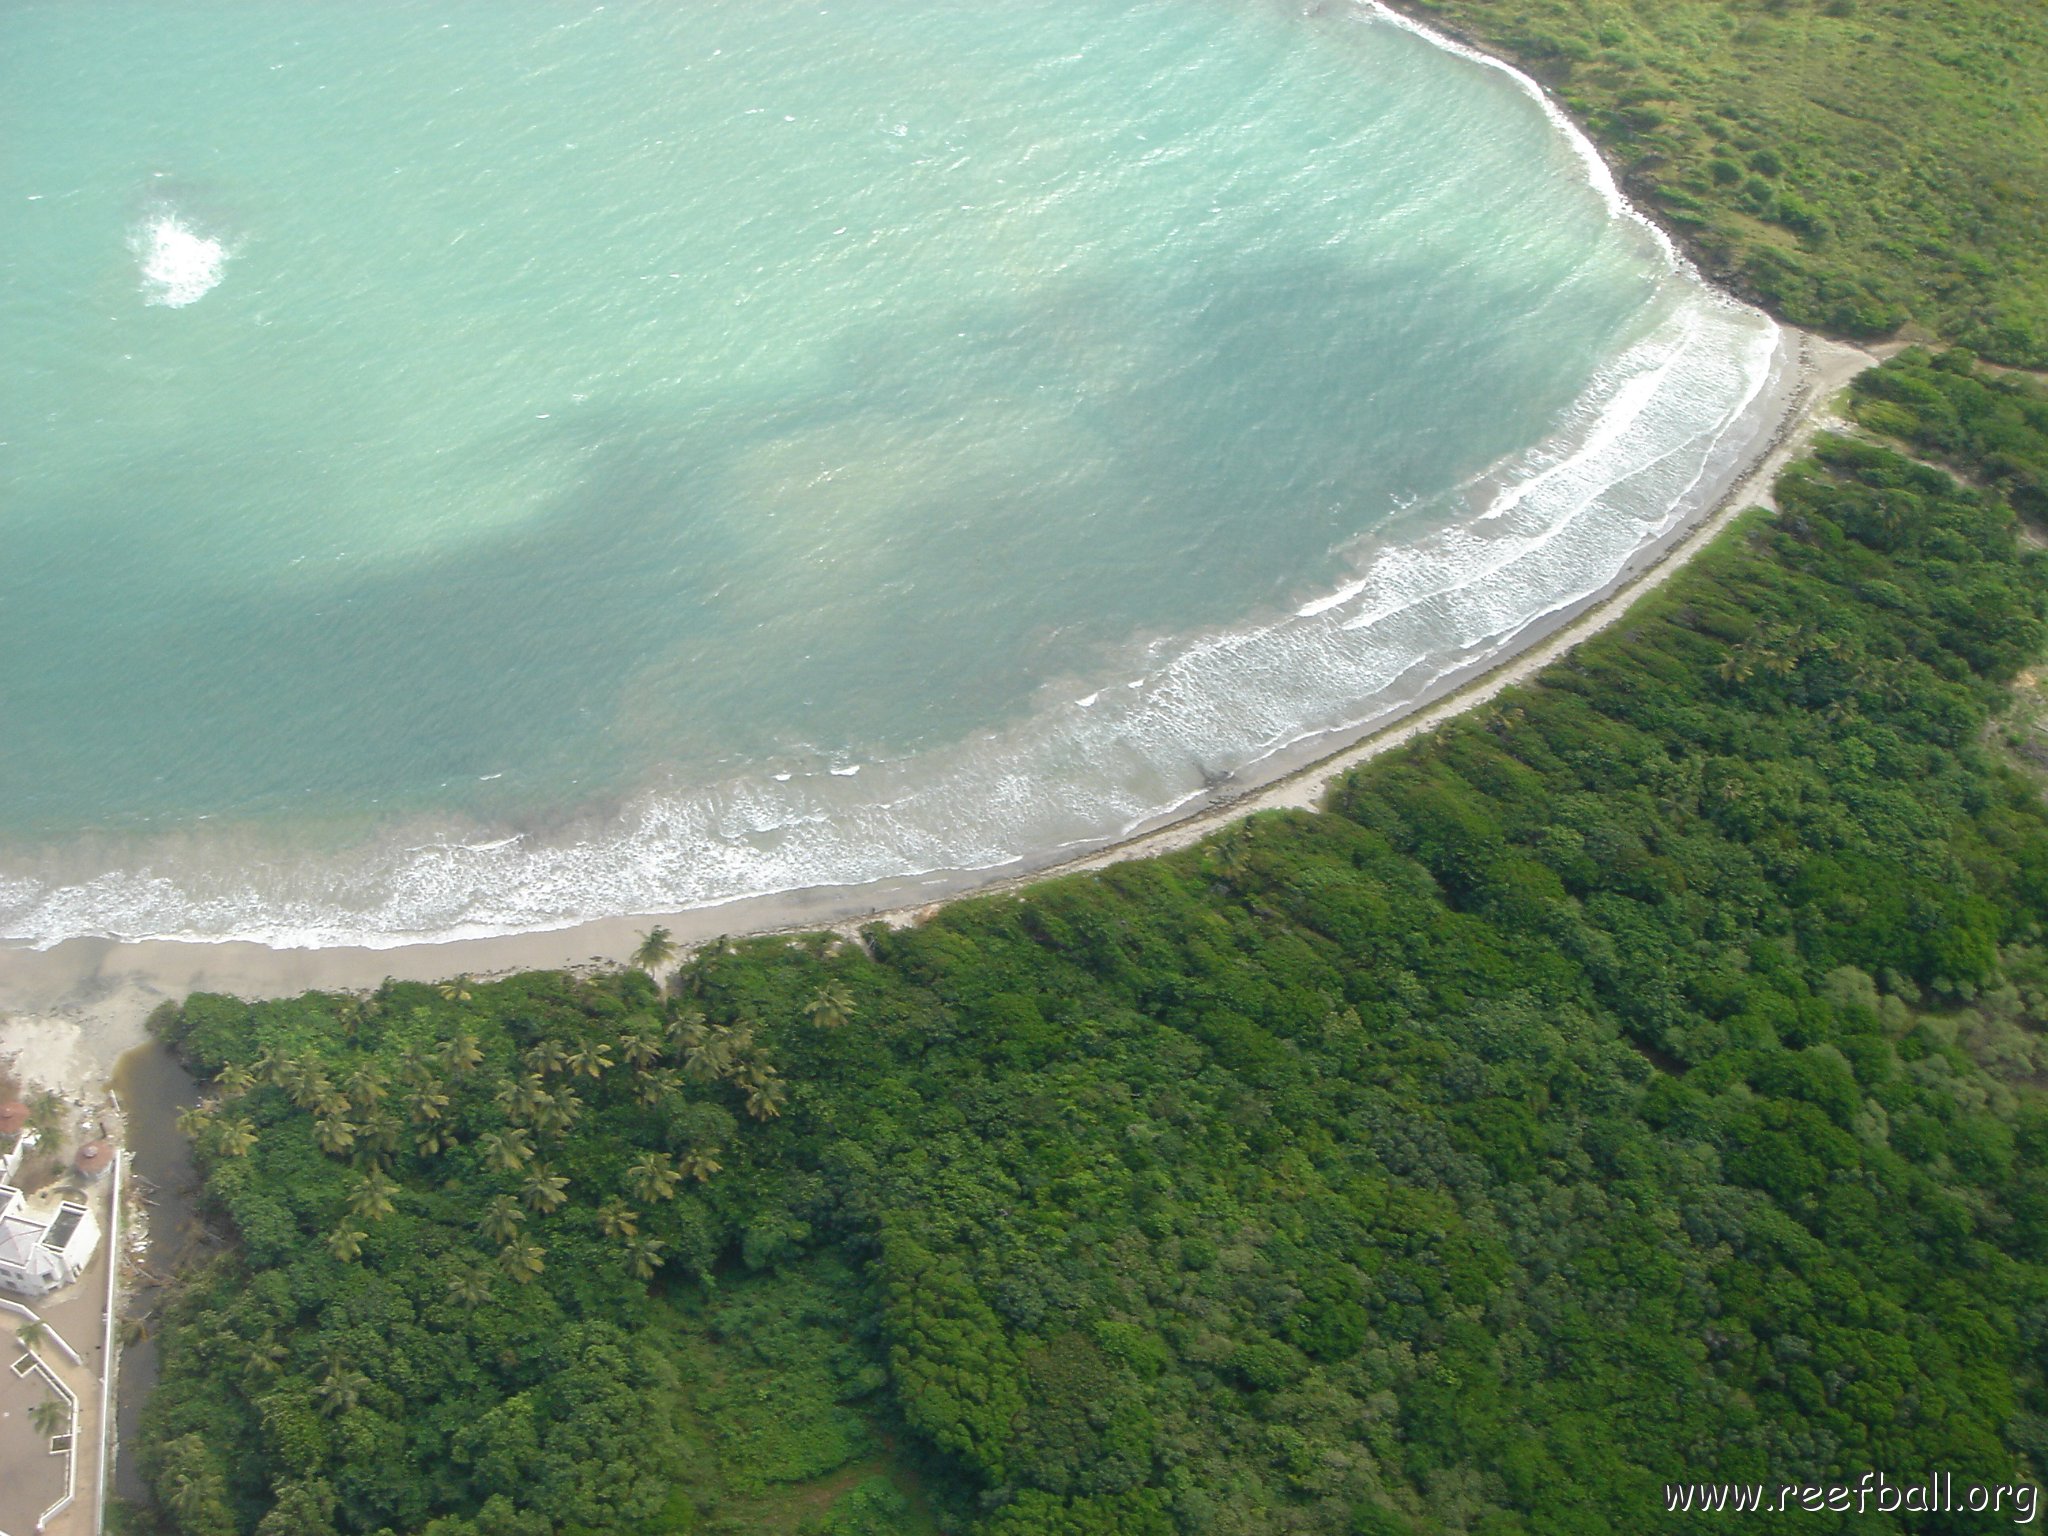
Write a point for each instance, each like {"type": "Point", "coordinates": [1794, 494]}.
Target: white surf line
{"type": "Point", "coordinates": [1825, 366]}
{"type": "Point", "coordinates": [1598, 171]}
{"type": "Point", "coordinates": [1600, 176]}
{"type": "Point", "coordinates": [1304, 787]}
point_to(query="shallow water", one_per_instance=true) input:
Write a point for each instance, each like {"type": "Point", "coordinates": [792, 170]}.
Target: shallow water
{"type": "Point", "coordinates": [470, 468]}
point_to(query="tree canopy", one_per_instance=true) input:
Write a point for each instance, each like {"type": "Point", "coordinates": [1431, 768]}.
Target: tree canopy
{"type": "Point", "coordinates": [1856, 165]}
{"type": "Point", "coordinates": [1636, 1080]}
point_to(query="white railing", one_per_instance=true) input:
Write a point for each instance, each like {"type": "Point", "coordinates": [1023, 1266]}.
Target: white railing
{"type": "Point", "coordinates": [107, 1357]}
{"type": "Point", "coordinates": [56, 1384]}
{"type": "Point", "coordinates": [49, 1333]}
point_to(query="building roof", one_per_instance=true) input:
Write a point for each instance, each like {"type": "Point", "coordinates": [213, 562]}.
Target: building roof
{"type": "Point", "coordinates": [94, 1156]}
{"type": "Point", "coordinates": [19, 1238]}
{"type": "Point", "coordinates": [13, 1116]}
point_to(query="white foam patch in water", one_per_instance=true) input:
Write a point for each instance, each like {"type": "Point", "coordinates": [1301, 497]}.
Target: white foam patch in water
{"type": "Point", "coordinates": [180, 265]}
{"type": "Point", "coordinates": [1655, 436]}
{"type": "Point", "coordinates": [1652, 438]}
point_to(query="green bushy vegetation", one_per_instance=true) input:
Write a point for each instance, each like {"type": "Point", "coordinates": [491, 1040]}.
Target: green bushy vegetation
{"type": "Point", "coordinates": [1853, 164]}
{"type": "Point", "coordinates": [1992, 429]}
{"type": "Point", "coordinates": [1637, 1080]}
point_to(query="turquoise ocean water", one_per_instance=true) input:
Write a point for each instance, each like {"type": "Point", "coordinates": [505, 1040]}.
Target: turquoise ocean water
{"type": "Point", "coordinates": [475, 466]}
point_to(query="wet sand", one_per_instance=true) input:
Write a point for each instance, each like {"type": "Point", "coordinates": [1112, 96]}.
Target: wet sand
{"type": "Point", "coordinates": [67, 1013]}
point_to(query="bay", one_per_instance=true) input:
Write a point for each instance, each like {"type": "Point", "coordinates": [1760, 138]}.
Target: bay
{"type": "Point", "coordinates": [472, 467]}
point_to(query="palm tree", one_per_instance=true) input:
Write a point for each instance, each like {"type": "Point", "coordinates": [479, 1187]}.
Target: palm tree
{"type": "Point", "coordinates": [832, 1007]}
{"type": "Point", "coordinates": [544, 1191]}
{"type": "Point", "coordinates": [540, 1107]}
{"type": "Point", "coordinates": [754, 1072]}
{"type": "Point", "coordinates": [643, 1257]}
{"type": "Point", "coordinates": [639, 1047]}
{"type": "Point", "coordinates": [456, 990]}
{"type": "Point", "coordinates": [522, 1259]}
{"type": "Point", "coordinates": [432, 1140]}
{"type": "Point", "coordinates": [559, 1113]}
{"type": "Point", "coordinates": [341, 1388]}
{"type": "Point", "coordinates": [234, 1080]}
{"type": "Point", "coordinates": [616, 1219]}
{"type": "Point", "coordinates": [415, 1066]}
{"type": "Point", "coordinates": [333, 1135]}
{"type": "Point", "coordinates": [700, 1165]}
{"type": "Point", "coordinates": [50, 1418]}
{"type": "Point", "coordinates": [194, 1498]}
{"type": "Point", "coordinates": [310, 1089]}
{"type": "Point", "coordinates": [426, 1105]}
{"type": "Point", "coordinates": [522, 1099]}
{"type": "Point", "coordinates": [470, 1287]}
{"type": "Point", "coordinates": [1736, 666]}
{"type": "Point", "coordinates": [711, 1057]}
{"type": "Point", "coordinates": [265, 1357]}
{"type": "Point", "coordinates": [651, 1088]}
{"type": "Point", "coordinates": [370, 1200]}
{"type": "Point", "coordinates": [652, 1177]}
{"type": "Point", "coordinates": [328, 1099]}
{"type": "Point", "coordinates": [508, 1150]}
{"type": "Point", "coordinates": [346, 1244]}
{"type": "Point", "coordinates": [765, 1099]}
{"type": "Point", "coordinates": [32, 1333]}
{"type": "Point", "coordinates": [592, 1058]}
{"type": "Point", "coordinates": [501, 1219]}
{"type": "Point", "coordinates": [234, 1138]}
{"type": "Point", "coordinates": [543, 1057]}
{"type": "Point", "coordinates": [687, 1027]}
{"type": "Point", "coordinates": [657, 948]}
{"type": "Point", "coordinates": [365, 1085]}
{"type": "Point", "coordinates": [370, 1159]}
{"type": "Point", "coordinates": [379, 1134]}
{"type": "Point", "coordinates": [461, 1054]}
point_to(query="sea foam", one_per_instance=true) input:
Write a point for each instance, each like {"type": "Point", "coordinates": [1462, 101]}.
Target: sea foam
{"type": "Point", "coordinates": [1450, 582]}
{"type": "Point", "coordinates": [1658, 433]}
{"type": "Point", "coordinates": [180, 265]}
{"type": "Point", "coordinates": [1598, 171]}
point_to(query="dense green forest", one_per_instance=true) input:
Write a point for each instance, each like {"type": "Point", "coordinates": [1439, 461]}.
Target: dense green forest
{"type": "Point", "coordinates": [1637, 1080]}
{"type": "Point", "coordinates": [1854, 164]}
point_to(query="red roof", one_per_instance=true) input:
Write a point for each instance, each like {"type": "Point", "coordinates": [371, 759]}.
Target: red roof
{"type": "Point", "coordinates": [94, 1156]}
{"type": "Point", "coordinates": [13, 1116]}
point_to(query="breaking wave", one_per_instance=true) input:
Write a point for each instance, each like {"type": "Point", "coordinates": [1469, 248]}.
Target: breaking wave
{"type": "Point", "coordinates": [180, 265]}
{"type": "Point", "coordinates": [1443, 588]}
{"type": "Point", "coordinates": [1658, 435]}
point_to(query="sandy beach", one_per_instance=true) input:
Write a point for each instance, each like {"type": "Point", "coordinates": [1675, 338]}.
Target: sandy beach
{"type": "Point", "coordinates": [68, 1012]}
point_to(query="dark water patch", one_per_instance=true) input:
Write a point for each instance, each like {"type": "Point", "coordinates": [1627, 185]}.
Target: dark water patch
{"type": "Point", "coordinates": [154, 1090]}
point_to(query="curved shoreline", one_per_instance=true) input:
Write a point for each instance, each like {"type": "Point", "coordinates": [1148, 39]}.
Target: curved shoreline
{"type": "Point", "coordinates": [1432, 379]}
{"type": "Point", "coordinates": [71, 1010]}
{"type": "Point", "coordinates": [1653, 438]}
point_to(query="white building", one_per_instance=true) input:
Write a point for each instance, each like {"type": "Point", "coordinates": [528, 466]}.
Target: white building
{"type": "Point", "coordinates": [41, 1250]}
